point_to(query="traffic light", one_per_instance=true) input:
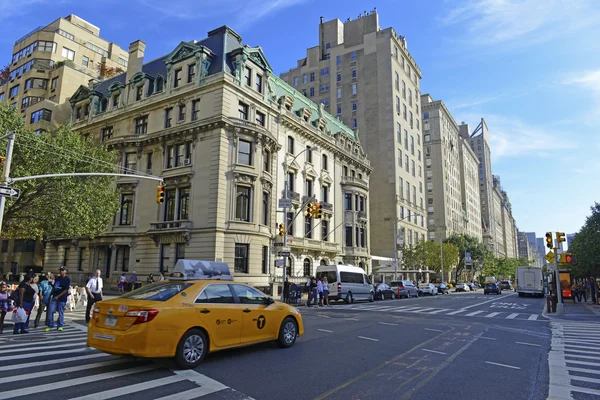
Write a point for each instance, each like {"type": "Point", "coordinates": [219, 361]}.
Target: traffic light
{"type": "Point", "coordinates": [568, 258]}
{"type": "Point", "coordinates": [560, 237]}
{"type": "Point", "coordinates": [281, 230]}
{"type": "Point", "coordinates": [160, 194]}
{"type": "Point", "coordinates": [318, 211]}
{"type": "Point", "coordinates": [549, 240]}
{"type": "Point", "coordinates": [310, 210]}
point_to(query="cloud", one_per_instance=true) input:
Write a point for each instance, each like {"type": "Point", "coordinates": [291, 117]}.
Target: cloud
{"type": "Point", "coordinates": [241, 13]}
{"type": "Point", "coordinates": [472, 103]}
{"type": "Point", "coordinates": [10, 9]}
{"type": "Point", "coordinates": [589, 80]}
{"type": "Point", "coordinates": [511, 137]}
{"type": "Point", "coordinates": [521, 21]}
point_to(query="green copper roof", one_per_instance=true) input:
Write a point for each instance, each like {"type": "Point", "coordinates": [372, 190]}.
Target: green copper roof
{"type": "Point", "coordinates": [281, 88]}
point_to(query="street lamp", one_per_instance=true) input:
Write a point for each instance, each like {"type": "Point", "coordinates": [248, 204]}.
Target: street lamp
{"type": "Point", "coordinates": [396, 240]}
{"type": "Point", "coordinates": [285, 209]}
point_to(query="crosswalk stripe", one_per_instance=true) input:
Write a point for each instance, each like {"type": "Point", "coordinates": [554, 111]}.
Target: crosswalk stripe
{"type": "Point", "coordinates": [49, 362]}
{"type": "Point", "coordinates": [532, 317]}
{"type": "Point", "coordinates": [512, 316]}
{"type": "Point", "coordinates": [585, 357]}
{"type": "Point", "coordinates": [441, 310]}
{"type": "Point", "coordinates": [49, 372]}
{"type": "Point", "coordinates": [33, 354]}
{"type": "Point", "coordinates": [10, 349]}
{"type": "Point", "coordinates": [456, 312]}
{"type": "Point", "coordinates": [121, 391]}
{"type": "Point", "coordinates": [47, 387]}
{"type": "Point", "coordinates": [472, 314]}
{"type": "Point", "coordinates": [15, 345]}
{"type": "Point", "coordinates": [189, 394]}
{"type": "Point", "coordinates": [422, 310]}
{"type": "Point", "coordinates": [492, 315]}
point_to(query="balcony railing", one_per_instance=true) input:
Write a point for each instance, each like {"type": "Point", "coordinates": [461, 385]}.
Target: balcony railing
{"type": "Point", "coordinates": [170, 225]}
{"type": "Point", "coordinates": [327, 206]}
{"type": "Point", "coordinates": [291, 195]}
{"type": "Point", "coordinates": [352, 180]}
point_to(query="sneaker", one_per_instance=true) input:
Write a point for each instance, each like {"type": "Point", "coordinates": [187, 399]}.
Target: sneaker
{"type": "Point", "coordinates": [47, 329]}
{"type": "Point", "coordinates": [60, 329]}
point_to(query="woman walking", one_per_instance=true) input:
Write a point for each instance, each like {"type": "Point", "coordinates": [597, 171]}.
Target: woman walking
{"type": "Point", "coordinates": [45, 293]}
{"type": "Point", "coordinates": [5, 304]}
{"type": "Point", "coordinates": [25, 301]}
{"type": "Point", "coordinates": [326, 292]}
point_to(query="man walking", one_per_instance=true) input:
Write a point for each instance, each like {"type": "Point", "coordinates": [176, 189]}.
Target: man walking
{"type": "Point", "coordinates": [94, 292]}
{"type": "Point", "coordinates": [58, 302]}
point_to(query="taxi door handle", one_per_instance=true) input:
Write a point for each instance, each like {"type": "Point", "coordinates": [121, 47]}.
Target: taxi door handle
{"type": "Point", "coordinates": [247, 310]}
{"type": "Point", "coordinates": [204, 311]}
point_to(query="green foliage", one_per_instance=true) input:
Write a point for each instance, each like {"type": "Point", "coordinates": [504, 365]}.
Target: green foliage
{"type": "Point", "coordinates": [480, 254]}
{"type": "Point", "coordinates": [426, 255]}
{"type": "Point", "coordinates": [56, 207]}
{"type": "Point", "coordinates": [586, 246]}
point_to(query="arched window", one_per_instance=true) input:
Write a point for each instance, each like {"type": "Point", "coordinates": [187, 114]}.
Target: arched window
{"type": "Point", "coordinates": [323, 261]}
{"type": "Point", "coordinates": [242, 204]}
{"type": "Point", "coordinates": [288, 266]}
{"type": "Point", "coordinates": [104, 105]}
{"type": "Point", "coordinates": [361, 265]}
{"type": "Point", "coordinates": [307, 267]}
{"type": "Point", "coordinates": [159, 84]}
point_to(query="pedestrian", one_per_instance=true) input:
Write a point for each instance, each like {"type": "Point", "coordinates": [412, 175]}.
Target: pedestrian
{"type": "Point", "coordinates": [5, 303]}
{"type": "Point", "coordinates": [286, 291]}
{"type": "Point", "coordinates": [320, 291]}
{"type": "Point", "coordinates": [592, 290]}
{"type": "Point", "coordinates": [45, 293]}
{"type": "Point", "coordinates": [575, 292]}
{"type": "Point", "coordinates": [94, 290]}
{"type": "Point", "coordinates": [150, 279]}
{"type": "Point", "coordinates": [162, 277]}
{"type": "Point", "coordinates": [122, 282]}
{"type": "Point", "coordinates": [314, 291]}
{"type": "Point", "coordinates": [326, 292]}
{"type": "Point", "coordinates": [26, 299]}
{"type": "Point", "coordinates": [583, 290]}
{"type": "Point", "coordinates": [133, 280]}
{"type": "Point", "coordinates": [58, 302]}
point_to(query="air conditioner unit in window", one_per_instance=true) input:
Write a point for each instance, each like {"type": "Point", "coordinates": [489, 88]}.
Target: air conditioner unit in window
{"type": "Point", "coordinates": [187, 161]}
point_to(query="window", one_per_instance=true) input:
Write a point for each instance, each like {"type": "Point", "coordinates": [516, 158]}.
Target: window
{"type": "Point", "coordinates": [242, 203]}
{"type": "Point", "coordinates": [126, 212]}
{"type": "Point", "coordinates": [2, 96]}
{"type": "Point", "coordinates": [149, 161]}
{"type": "Point", "coordinates": [338, 77]}
{"type": "Point", "coordinates": [41, 115]}
{"type": "Point", "coordinates": [338, 60]}
{"type": "Point", "coordinates": [412, 145]}
{"type": "Point", "coordinates": [304, 79]}
{"type": "Point", "coordinates": [419, 155]}
{"type": "Point", "coordinates": [324, 230]}
{"type": "Point", "coordinates": [165, 249]}
{"type": "Point", "coordinates": [123, 62]}
{"type": "Point", "coordinates": [348, 201]}
{"type": "Point", "coordinates": [80, 259]}
{"type": "Point", "coordinates": [244, 152]}
{"type": "Point", "coordinates": [85, 61]}
{"type": "Point", "coordinates": [353, 56]}
{"type": "Point", "coordinates": [348, 234]}
{"type": "Point", "coordinates": [353, 73]}
{"type": "Point", "coordinates": [420, 171]}
{"type": "Point", "coordinates": [248, 76]}
{"type": "Point", "coordinates": [13, 91]}
{"type": "Point", "coordinates": [130, 162]}
{"type": "Point", "coordinates": [309, 154]}
{"type": "Point", "coordinates": [354, 123]}
{"type": "Point", "coordinates": [397, 104]}
{"type": "Point", "coordinates": [309, 188]}
{"type": "Point", "coordinates": [362, 236]}
{"type": "Point", "coordinates": [408, 191]}
{"type": "Point", "coordinates": [181, 113]}
{"type": "Point", "coordinates": [168, 117]}
{"type": "Point", "coordinates": [308, 227]}
{"type": "Point", "coordinates": [290, 145]}
{"type": "Point", "coordinates": [404, 112]}
{"type": "Point", "coordinates": [5, 246]}
{"type": "Point", "coordinates": [354, 105]}
{"type": "Point", "coordinates": [107, 133]}
{"type": "Point", "coordinates": [406, 165]}
{"type": "Point", "coordinates": [265, 209]}
{"type": "Point", "coordinates": [177, 78]}
{"type": "Point", "coordinates": [267, 161]}
{"type": "Point", "coordinates": [397, 81]}
{"type": "Point", "coordinates": [339, 93]}
{"type": "Point", "coordinates": [312, 76]}
{"type": "Point", "coordinates": [139, 92]}
{"type": "Point", "coordinates": [179, 251]}
{"type": "Point", "coordinates": [191, 73]}
{"type": "Point", "coordinates": [243, 111]}
{"type": "Point", "coordinates": [195, 110]}
{"type": "Point", "coordinates": [354, 89]}
{"type": "Point", "coordinates": [20, 246]}
{"type": "Point", "coordinates": [428, 162]}
{"type": "Point", "coordinates": [290, 223]}
{"type": "Point", "coordinates": [68, 54]}
{"type": "Point", "coordinates": [325, 194]}
{"type": "Point", "coordinates": [426, 115]}
{"type": "Point", "coordinates": [325, 71]}
{"type": "Point", "coordinates": [141, 125]}
{"type": "Point", "coordinates": [66, 256]}
{"type": "Point", "coordinates": [344, 171]}
{"type": "Point", "coordinates": [183, 209]}
{"type": "Point", "coordinates": [170, 204]}
{"type": "Point", "coordinates": [291, 181]}
{"type": "Point", "coordinates": [421, 189]}
{"type": "Point", "coordinates": [312, 92]}
{"type": "Point", "coordinates": [324, 163]}
{"type": "Point", "coordinates": [115, 102]}
{"type": "Point", "coordinates": [260, 118]}
{"type": "Point", "coordinates": [427, 138]}
{"type": "Point", "coordinates": [241, 258]}
{"type": "Point", "coordinates": [339, 109]}
{"type": "Point", "coordinates": [36, 83]}
{"type": "Point", "coordinates": [218, 294]}
{"type": "Point", "coordinates": [406, 139]}
{"type": "Point", "coordinates": [265, 260]}
{"type": "Point", "coordinates": [399, 157]}
{"type": "Point", "coordinates": [160, 83]}
{"type": "Point", "coordinates": [259, 83]}
{"type": "Point", "coordinates": [403, 90]}
{"type": "Point", "coordinates": [325, 102]}
{"type": "Point", "coordinates": [324, 88]}
{"type": "Point", "coordinates": [295, 81]}
{"type": "Point", "coordinates": [178, 154]}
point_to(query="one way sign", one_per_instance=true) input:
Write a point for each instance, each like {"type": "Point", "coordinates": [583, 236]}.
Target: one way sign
{"type": "Point", "coordinates": [6, 191]}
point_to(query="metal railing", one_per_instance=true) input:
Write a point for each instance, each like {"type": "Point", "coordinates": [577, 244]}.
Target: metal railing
{"type": "Point", "coordinates": [182, 224]}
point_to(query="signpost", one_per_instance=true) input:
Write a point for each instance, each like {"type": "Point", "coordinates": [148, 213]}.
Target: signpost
{"type": "Point", "coordinates": [550, 257]}
{"type": "Point", "coordinates": [285, 203]}
{"type": "Point", "coordinates": [10, 192]}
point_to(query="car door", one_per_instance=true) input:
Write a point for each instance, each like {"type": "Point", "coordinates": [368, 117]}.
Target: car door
{"type": "Point", "coordinates": [261, 317]}
{"type": "Point", "coordinates": [220, 315]}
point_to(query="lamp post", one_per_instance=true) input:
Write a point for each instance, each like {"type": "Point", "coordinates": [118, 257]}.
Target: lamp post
{"type": "Point", "coordinates": [396, 240]}
{"type": "Point", "coordinates": [285, 209]}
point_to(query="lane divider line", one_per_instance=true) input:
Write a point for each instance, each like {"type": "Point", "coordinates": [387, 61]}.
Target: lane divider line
{"type": "Point", "coordinates": [325, 330]}
{"type": "Point", "coordinates": [435, 351]}
{"type": "Point", "coordinates": [529, 344]}
{"type": "Point", "coordinates": [368, 338]}
{"type": "Point", "coordinates": [502, 365]}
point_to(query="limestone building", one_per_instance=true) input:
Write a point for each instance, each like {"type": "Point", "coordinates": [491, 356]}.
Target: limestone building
{"type": "Point", "coordinates": [365, 76]}
{"type": "Point", "coordinates": [224, 133]}
{"type": "Point", "coordinates": [469, 181]}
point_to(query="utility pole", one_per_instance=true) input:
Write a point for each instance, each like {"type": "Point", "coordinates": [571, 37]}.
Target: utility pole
{"type": "Point", "coordinates": [285, 232]}
{"type": "Point", "coordinates": [395, 250]}
{"type": "Point", "coordinates": [560, 307]}
{"type": "Point", "coordinates": [6, 172]}
{"type": "Point", "coordinates": [442, 260]}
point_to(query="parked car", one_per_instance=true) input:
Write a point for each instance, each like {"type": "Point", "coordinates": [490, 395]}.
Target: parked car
{"type": "Point", "coordinates": [462, 287]}
{"type": "Point", "coordinates": [505, 285]}
{"type": "Point", "coordinates": [384, 291]}
{"type": "Point", "coordinates": [474, 286]}
{"type": "Point", "coordinates": [347, 282]}
{"type": "Point", "coordinates": [405, 288]}
{"type": "Point", "coordinates": [491, 288]}
{"type": "Point", "coordinates": [428, 288]}
{"type": "Point", "coordinates": [443, 288]}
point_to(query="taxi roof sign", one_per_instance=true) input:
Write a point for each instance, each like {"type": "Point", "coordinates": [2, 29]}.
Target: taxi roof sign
{"type": "Point", "coordinates": [200, 269]}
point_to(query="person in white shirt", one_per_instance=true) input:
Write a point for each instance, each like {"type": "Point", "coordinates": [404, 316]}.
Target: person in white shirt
{"type": "Point", "coordinates": [94, 291]}
{"type": "Point", "coordinates": [320, 291]}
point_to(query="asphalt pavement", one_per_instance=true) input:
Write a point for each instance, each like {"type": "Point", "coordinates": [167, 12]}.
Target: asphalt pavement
{"type": "Point", "coordinates": [395, 349]}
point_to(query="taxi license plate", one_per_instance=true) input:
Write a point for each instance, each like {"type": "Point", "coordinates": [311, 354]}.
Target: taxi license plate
{"type": "Point", "coordinates": [110, 321]}
{"type": "Point", "coordinates": [104, 337]}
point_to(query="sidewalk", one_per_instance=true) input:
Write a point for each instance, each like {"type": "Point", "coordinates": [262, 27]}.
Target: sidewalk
{"type": "Point", "coordinates": [576, 312]}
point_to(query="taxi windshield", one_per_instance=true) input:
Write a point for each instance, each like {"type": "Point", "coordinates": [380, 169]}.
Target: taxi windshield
{"type": "Point", "coordinates": [161, 291]}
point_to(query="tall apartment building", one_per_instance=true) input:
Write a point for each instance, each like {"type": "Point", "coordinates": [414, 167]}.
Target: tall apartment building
{"type": "Point", "coordinates": [525, 249]}
{"type": "Point", "coordinates": [220, 128]}
{"type": "Point", "coordinates": [570, 237]}
{"type": "Point", "coordinates": [366, 76]}
{"type": "Point", "coordinates": [47, 66]}
{"type": "Point", "coordinates": [508, 241]}
{"type": "Point", "coordinates": [497, 237]}
{"type": "Point", "coordinates": [537, 256]}
{"type": "Point", "coordinates": [480, 144]}
{"type": "Point", "coordinates": [451, 178]}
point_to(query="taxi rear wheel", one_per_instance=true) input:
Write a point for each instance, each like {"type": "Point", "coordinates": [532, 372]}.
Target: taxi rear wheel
{"type": "Point", "coordinates": [191, 349]}
{"type": "Point", "coordinates": [288, 332]}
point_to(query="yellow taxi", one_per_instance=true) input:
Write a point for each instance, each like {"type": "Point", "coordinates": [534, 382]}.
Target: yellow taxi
{"type": "Point", "coordinates": [199, 309]}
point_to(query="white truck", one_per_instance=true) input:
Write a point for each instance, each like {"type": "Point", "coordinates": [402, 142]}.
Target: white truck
{"type": "Point", "coordinates": [530, 281]}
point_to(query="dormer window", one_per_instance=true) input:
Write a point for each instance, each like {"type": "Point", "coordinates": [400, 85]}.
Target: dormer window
{"type": "Point", "coordinates": [115, 102]}
{"type": "Point", "coordinates": [177, 78]}
{"type": "Point", "coordinates": [160, 83]}
{"type": "Point", "coordinates": [259, 83]}
{"type": "Point", "coordinates": [248, 76]}
{"type": "Point", "coordinates": [191, 73]}
{"type": "Point", "coordinates": [139, 91]}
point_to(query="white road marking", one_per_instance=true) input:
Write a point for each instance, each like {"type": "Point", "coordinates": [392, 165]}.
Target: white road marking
{"type": "Point", "coordinates": [532, 317]}
{"type": "Point", "coordinates": [439, 311]}
{"type": "Point", "coordinates": [54, 346]}
{"type": "Point", "coordinates": [388, 323]}
{"type": "Point", "coordinates": [485, 302]}
{"type": "Point", "coordinates": [434, 351]}
{"type": "Point", "coordinates": [48, 362]}
{"type": "Point", "coordinates": [368, 338]}
{"type": "Point", "coordinates": [124, 390]}
{"type": "Point", "coordinates": [14, 345]}
{"type": "Point", "coordinates": [434, 330]}
{"type": "Point", "coordinates": [471, 314]}
{"type": "Point", "coordinates": [502, 365]}
{"type": "Point", "coordinates": [586, 357]}
{"type": "Point", "coordinates": [34, 354]}
{"type": "Point", "coordinates": [352, 319]}
{"type": "Point", "coordinates": [49, 372]}
{"type": "Point", "coordinates": [487, 338]}
{"type": "Point", "coordinates": [325, 330]}
{"type": "Point", "coordinates": [456, 312]}
{"type": "Point", "coordinates": [492, 315]}
{"type": "Point", "coordinates": [529, 344]}
{"type": "Point", "coordinates": [512, 316]}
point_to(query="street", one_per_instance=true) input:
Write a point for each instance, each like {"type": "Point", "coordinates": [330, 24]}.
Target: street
{"type": "Point", "coordinates": [467, 344]}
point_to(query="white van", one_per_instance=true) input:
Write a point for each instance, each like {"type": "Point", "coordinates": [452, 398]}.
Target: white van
{"type": "Point", "coordinates": [530, 280]}
{"type": "Point", "coordinates": [347, 282]}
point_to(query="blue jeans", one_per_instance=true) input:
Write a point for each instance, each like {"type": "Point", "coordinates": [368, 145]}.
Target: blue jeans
{"type": "Point", "coordinates": [52, 308]}
{"type": "Point", "coordinates": [22, 326]}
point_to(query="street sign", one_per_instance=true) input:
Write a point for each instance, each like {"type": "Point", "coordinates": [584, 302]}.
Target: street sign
{"type": "Point", "coordinates": [285, 203]}
{"type": "Point", "coordinates": [285, 250]}
{"type": "Point", "coordinates": [468, 258]}
{"type": "Point", "coordinates": [284, 253]}
{"type": "Point", "coordinates": [550, 257]}
{"type": "Point", "coordinates": [278, 244]}
{"type": "Point", "coordinates": [6, 191]}
{"type": "Point", "coordinates": [279, 263]}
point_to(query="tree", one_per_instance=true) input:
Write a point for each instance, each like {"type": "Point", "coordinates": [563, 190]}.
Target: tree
{"type": "Point", "coordinates": [450, 256]}
{"type": "Point", "coordinates": [479, 252]}
{"type": "Point", "coordinates": [66, 207]}
{"type": "Point", "coordinates": [107, 72]}
{"type": "Point", "coordinates": [4, 73]}
{"type": "Point", "coordinates": [586, 245]}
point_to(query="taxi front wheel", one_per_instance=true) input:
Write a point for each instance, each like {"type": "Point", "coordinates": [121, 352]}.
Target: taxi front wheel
{"type": "Point", "coordinates": [288, 332]}
{"type": "Point", "coordinates": [191, 349]}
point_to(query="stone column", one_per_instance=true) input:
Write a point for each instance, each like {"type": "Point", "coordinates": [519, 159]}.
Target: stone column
{"type": "Point", "coordinates": [113, 259]}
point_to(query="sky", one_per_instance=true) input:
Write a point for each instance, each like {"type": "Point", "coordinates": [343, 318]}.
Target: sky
{"type": "Point", "coordinates": [530, 68]}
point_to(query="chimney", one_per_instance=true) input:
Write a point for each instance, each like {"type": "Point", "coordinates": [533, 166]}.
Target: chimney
{"type": "Point", "coordinates": [136, 58]}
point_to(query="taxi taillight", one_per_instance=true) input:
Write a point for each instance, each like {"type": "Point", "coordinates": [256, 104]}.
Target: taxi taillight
{"type": "Point", "coordinates": [142, 316]}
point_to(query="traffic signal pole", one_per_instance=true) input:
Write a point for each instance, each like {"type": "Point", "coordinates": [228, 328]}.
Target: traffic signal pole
{"type": "Point", "coordinates": [285, 227]}
{"type": "Point", "coordinates": [6, 172]}
{"type": "Point", "coordinates": [560, 307]}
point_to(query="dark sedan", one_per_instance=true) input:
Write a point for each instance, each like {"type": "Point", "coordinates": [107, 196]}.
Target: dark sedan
{"type": "Point", "coordinates": [491, 288]}
{"type": "Point", "coordinates": [384, 291]}
{"type": "Point", "coordinates": [442, 288]}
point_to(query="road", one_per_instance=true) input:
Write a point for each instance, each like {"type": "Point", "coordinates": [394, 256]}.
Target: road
{"type": "Point", "coordinates": [464, 345]}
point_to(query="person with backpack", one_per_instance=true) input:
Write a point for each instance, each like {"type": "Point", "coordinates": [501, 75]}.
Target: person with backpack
{"type": "Point", "coordinates": [25, 299]}
{"type": "Point", "coordinates": [45, 293]}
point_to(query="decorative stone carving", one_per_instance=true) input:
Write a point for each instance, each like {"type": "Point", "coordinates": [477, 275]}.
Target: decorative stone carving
{"type": "Point", "coordinates": [178, 180]}
{"type": "Point", "coordinates": [127, 187]}
{"type": "Point", "coordinates": [243, 178]}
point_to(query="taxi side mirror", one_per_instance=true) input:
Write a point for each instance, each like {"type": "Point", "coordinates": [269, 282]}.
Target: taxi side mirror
{"type": "Point", "coordinates": [268, 301]}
